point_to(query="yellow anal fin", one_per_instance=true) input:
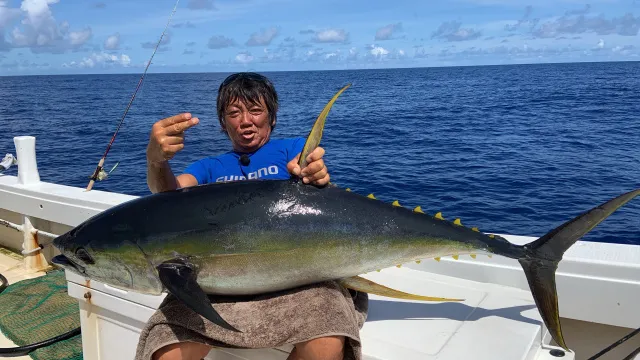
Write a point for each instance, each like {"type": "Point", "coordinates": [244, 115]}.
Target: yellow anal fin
{"type": "Point", "coordinates": [361, 284]}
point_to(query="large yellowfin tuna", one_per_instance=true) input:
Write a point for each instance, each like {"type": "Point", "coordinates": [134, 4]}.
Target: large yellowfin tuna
{"type": "Point", "coordinates": [254, 237]}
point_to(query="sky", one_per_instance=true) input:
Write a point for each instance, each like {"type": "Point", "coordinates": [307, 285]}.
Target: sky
{"type": "Point", "coordinates": [119, 36]}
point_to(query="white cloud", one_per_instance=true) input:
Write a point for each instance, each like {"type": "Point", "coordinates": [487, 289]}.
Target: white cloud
{"type": "Point", "coordinates": [262, 38]}
{"type": "Point", "coordinates": [40, 31]}
{"type": "Point", "coordinates": [219, 42]}
{"type": "Point", "coordinates": [112, 42]}
{"type": "Point", "coordinates": [80, 37]}
{"type": "Point", "coordinates": [244, 58]}
{"type": "Point", "coordinates": [101, 59]}
{"type": "Point", "coordinates": [386, 32]}
{"type": "Point", "coordinates": [331, 36]}
{"type": "Point", "coordinates": [378, 51]}
{"type": "Point", "coordinates": [7, 14]}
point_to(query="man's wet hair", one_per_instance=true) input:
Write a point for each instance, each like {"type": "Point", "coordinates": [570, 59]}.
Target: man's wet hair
{"type": "Point", "coordinates": [247, 87]}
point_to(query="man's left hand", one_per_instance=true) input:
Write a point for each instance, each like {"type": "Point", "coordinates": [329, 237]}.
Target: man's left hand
{"type": "Point", "coordinates": [315, 172]}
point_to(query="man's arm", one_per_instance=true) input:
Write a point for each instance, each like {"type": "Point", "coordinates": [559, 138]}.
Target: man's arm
{"type": "Point", "coordinates": [160, 178]}
{"type": "Point", "coordinates": [167, 138]}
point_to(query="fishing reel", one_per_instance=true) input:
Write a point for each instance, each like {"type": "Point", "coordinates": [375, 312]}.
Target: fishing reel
{"type": "Point", "coordinates": [100, 174]}
{"type": "Point", "coordinates": [7, 162]}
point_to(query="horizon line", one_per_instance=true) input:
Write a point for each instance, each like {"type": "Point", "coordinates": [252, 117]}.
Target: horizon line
{"type": "Point", "coordinates": [328, 70]}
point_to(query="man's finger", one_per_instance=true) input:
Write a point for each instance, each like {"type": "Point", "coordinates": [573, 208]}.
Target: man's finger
{"type": "Point", "coordinates": [318, 175]}
{"type": "Point", "coordinates": [175, 119]}
{"type": "Point", "coordinates": [316, 154]}
{"type": "Point", "coordinates": [324, 181]}
{"type": "Point", "coordinates": [181, 127]}
{"type": "Point", "coordinates": [293, 166]}
{"type": "Point", "coordinates": [174, 139]}
{"type": "Point", "coordinates": [171, 150]}
{"type": "Point", "coordinates": [313, 168]}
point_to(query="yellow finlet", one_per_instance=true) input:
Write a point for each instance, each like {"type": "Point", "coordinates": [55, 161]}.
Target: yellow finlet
{"type": "Point", "coordinates": [490, 256]}
{"type": "Point", "coordinates": [399, 266]}
{"type": "Point", "coordinates": [365, 285]}
{"type": "Point", "coordinates": [457, 222]}
{"type": "Point", "coordinates": [347, 189]}
{"type": "Point", "coordinates": [418, 261]}
{"type": "Point", "coordinates": [437, 259]}
{"type": "Point", "coordinates": [370, 196]}
{"type": "Point", "coordinates": [418, 209]}
{"type": "Point", "coordinates": [473, 256]}
{"type": "Point", "coordinates": [475, 229]}
{"type": "Point", "coordinates": [455, 257]}
{"type": "Point", "coordinates": [438, 216]}
{"type": "Point", "coordinates": [492, 236]}
{"type": "Point", "coordinates": [396, 203]}
{"type": "Point", "coordinates": [378, 270]}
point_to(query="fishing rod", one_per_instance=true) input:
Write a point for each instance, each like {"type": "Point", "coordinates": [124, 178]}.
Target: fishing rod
{"type": "Point", "coordinates": [99, 173]}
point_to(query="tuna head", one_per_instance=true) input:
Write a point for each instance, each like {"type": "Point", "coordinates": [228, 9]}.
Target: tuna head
{"type": "Point", "coordinates": [107, 253]}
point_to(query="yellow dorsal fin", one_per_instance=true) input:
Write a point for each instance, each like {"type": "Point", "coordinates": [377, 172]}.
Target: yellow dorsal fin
{"type": "Point", "coordinates": [370, 196]}
{"type": "Point", "coordinates": [457, 222]}
{"type": "Point", "coordinates": [437, 259]}
{"type": "Point", "coordinates": [396, 203]}
{"type": "Point", "coordinates": [475, 229]}
{"type": "Point", "coordinates": [455, 257]}
{"type": "Point", "coordinates": [473, 256]}
{"type": "Point", "coordinates": [418, 209]}
{"type": "Point", "coordinates": [439, 216]}
{"type": "Point", "coordinates": [315, 135]}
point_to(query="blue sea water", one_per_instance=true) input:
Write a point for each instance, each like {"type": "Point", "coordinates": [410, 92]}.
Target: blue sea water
{"type": "Point", "coordinates": [511, 149]}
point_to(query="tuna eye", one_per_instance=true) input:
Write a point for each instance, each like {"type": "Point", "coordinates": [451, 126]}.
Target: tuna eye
{"type": "Point", "coordinates": [82, 254]}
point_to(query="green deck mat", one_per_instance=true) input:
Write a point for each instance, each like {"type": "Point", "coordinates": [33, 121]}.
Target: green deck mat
{"type": "Point", "coordinates": [38, 309]}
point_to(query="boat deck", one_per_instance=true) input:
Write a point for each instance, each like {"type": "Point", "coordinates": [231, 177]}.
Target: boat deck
{"type": "Point", "coordinates": [11, 266]}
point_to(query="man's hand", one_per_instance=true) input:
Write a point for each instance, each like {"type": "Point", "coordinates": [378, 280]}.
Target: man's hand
{"type": "Point", "coordinates": [315, 172]}
{"type": "Point", "coordinates": [167, 137]}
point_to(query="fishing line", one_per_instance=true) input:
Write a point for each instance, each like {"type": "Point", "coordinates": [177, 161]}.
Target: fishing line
{"type": "Point", "coordinates": [99, 169]}
{"type": "Point", "coordinates": [610, 347]}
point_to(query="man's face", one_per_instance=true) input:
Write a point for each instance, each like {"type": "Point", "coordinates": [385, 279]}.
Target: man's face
{"type": "Point", "coordinates": [247, 125]}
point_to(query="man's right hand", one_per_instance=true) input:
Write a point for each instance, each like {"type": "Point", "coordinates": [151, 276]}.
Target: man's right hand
{"type": "Point", "coordinates": [167, 137]}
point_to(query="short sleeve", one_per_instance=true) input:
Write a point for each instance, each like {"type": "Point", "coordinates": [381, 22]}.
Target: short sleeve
{"type": "Point", "coordinates": [199, 171]}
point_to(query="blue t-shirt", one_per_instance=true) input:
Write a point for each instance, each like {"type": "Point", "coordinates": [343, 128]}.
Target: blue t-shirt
{"type": "Point", "coordinates": [268, 162]}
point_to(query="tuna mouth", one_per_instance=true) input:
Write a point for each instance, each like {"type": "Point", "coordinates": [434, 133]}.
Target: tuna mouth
{"type": "Point", "coordinates": [67, 264]}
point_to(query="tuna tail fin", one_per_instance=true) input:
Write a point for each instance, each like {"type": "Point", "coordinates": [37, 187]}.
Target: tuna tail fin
{"type": "Point", "coordinates": [541, 258]}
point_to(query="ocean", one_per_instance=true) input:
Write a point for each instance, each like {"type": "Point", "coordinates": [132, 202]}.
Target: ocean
{"type": "Point", "coordinates": [515, 149]}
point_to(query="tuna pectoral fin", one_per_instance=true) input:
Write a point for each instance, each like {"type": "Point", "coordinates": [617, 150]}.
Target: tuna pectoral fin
{"type": "Point", "coordinates": [541, 257]}
{"type": "Point", "coordinates": [361, 284]}
{"type": "Point", "coordinates": [180, 280]}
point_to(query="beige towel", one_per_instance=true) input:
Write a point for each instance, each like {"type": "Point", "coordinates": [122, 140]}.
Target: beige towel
{"type": "Point", "coordinates": [266, 321]}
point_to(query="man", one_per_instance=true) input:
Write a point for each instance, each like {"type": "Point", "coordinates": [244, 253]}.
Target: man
{"type": "Point", "coordinates": [247, 104]}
